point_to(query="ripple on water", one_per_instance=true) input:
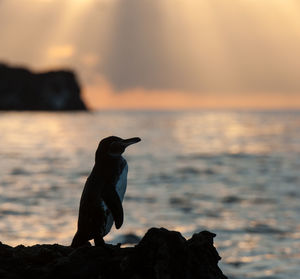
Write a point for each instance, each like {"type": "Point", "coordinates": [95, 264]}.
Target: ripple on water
{"type": "Point", "coordinates": [232, 199]}
{"type": "Point", "coordinates": [140, 199]}
{"type": "Point", "coordinates": [182, 204]}
{"type": "Point", "coordinates": [19, 171]}
{"type": "Point", "coordinates": [263, 229]}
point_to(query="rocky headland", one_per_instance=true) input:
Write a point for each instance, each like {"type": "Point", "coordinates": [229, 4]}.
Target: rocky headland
{"type": "Point", "coordinates": [160, 254]}
{"type": "Point", "coordinates": [21, 89]}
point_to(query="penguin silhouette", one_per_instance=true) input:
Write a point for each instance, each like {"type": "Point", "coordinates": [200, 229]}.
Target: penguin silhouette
{"type": "Point", "coordinates": [103, 193]}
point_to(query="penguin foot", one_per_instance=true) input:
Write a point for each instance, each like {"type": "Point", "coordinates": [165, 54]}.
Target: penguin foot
{"type": "Point", "coordinates": [99, 241]}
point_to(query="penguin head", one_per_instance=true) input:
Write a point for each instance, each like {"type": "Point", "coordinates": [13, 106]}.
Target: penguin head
{"type": "Point", "coordinates": [114, 146]}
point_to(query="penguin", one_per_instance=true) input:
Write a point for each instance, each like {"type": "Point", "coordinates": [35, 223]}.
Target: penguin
{"type": "Point", "coordinates": [103, 193]}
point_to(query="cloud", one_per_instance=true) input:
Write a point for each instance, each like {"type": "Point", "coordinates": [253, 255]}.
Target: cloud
{"type": "Point", "coordinates": [204, 46]}
{"type": "Point", "coordinates": [197, 47]}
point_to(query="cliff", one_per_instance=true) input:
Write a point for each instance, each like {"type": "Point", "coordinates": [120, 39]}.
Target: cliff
{"type": "Point", "coordinates": [160, 254]}
{"type": "Point", "coordinates": [20, 89]}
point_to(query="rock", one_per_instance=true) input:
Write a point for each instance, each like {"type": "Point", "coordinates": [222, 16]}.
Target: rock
{"type": "Point", "coordinates": [160, 254]}
{"type": "Point", "coordinates": [20, 89]}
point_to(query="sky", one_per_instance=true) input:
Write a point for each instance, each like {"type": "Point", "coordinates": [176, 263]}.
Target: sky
{"type": "Point", "coordinates": [162, 53]}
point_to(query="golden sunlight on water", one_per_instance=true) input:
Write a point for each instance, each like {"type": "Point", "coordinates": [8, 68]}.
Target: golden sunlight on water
{"type": "Point", "coordinates": [217, 132]}
{"type": "Point", "coordinates": [35, 132]}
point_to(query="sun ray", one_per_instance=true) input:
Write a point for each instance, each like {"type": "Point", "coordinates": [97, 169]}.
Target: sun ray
{"type": "Point", "coordinates": [210, 48]}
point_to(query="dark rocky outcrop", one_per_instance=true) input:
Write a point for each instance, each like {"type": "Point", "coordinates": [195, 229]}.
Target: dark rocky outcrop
{"type": "Point", "coordinates": [20, 89]}
{"type": "Point", "coordinates": [160, 254]}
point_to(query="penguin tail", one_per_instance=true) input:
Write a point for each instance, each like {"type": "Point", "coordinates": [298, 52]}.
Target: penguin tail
{"type": "Point", "coordinates": [79, 241]}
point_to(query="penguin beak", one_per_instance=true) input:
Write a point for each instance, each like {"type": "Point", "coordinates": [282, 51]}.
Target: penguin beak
{"type": "Point", "coordinates": [126, 142]}
{"type": "Point", "coordinates": [118, 147]}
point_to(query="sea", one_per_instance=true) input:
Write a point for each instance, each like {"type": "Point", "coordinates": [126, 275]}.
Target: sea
{"type": "Point", "coordinates": [234, 173]}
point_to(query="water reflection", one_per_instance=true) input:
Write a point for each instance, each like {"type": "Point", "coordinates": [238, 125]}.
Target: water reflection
{"type": "Point", "coordinates": [236, 174]}
{"type": "Point", "coordinates": [227, 132]}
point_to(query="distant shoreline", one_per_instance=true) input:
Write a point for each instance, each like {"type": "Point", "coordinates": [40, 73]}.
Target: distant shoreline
{"type": "Point", "coordinates": [23, 90]}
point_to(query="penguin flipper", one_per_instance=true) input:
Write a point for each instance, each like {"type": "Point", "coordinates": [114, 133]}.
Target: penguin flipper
{"type": "Point", "coordinates": [114, 204]}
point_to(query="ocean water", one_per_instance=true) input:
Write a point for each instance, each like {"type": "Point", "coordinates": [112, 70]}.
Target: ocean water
{"type": "Point", "coordinates": [233, 173]}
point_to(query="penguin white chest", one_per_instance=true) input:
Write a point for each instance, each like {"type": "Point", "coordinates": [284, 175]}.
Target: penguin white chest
{"type": "Point", "coordinates": [121, 185]}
